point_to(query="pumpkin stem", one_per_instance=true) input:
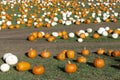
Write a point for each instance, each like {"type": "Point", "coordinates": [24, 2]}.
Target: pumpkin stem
{"type": "Point", "coordinates": [69, 62]}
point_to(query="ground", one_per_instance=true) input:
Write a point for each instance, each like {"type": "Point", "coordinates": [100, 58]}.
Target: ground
{"type": "Point", "coordinates": [15, 41]}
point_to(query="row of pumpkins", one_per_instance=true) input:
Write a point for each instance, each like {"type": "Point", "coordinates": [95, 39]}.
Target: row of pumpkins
{"type": "Point", "coordinates": [11, 59]}
{"type": "Point", "coordinates": [81, 34]}
{"type": "Point", "coordinates": [50, 13]}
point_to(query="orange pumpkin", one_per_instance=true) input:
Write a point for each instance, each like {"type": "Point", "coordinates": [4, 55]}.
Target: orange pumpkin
{"type": "Point", "coordinates": [38, 70]}
{"type": "Point", "coordinates": [100, 51]}
{"type": "Point", "coordinates": [110, 31]}
{"type": "Point", "coordinates": [99, 63]}
{"type": "Point", "coordinates": [47, 35]}
{"type": "Point", "coordinates": [17, 26]}
{"type": "Point", "coordinates": [77, 22]}
{"type": "Point", "coordinates": [82, 35]}
{"type": "Point", "coordinates": [60, 34]}
{"type": "Point", "coordinates": [45, 54]}
{"type": "Point", "coordinates": [70, 67]}
{"type": "Point", "coordinates": [11, 27]}
{"type": "Point", "coordinates": [22, 66]}
{"type": "Point", "coordinates": [70, 54]}
{"type": "Point", "coordinates": [81, 59]}
{"type": "Point", "coordinates": [65, 37]}
{"type": "Point", "coordinates": [32, 53]}
{"type": "Point", "coordinates": [31, 38]}
{"type": "Point", "coordinates": [64, 33]}
{"type": "Point", "coordinates": [39, 35]}
{"type": "Point", "coordinates": [85, 52]}
{"type": "Point", "coordinates": [116, 53]}
{"type": "Point", "coordinates": [34, 34]}
{"type": "Point", "coordinates": [60, 56]}
{"type": "Point", "coordinates": [51, 38]}
{"type": "Point", "coordinates": [96, 36]}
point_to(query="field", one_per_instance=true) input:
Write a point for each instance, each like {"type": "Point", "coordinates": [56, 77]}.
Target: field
{"type": "Point", "coordinates": [15, 41]}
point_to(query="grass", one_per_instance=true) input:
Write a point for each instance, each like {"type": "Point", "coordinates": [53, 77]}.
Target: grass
{"type": "Point", "coordinates": [54, 69]}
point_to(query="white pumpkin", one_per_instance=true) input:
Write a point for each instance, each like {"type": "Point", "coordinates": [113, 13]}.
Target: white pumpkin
{"type": "Point", "coordinates": [5, 67]}
{"type": "Point", "coordinates": [35, 23]}
{"type": "Point", "coordinates": [81, 31]}
{"type": "Point", "coordinates": [100, 31]}
{"type": "Point", "coordinates": [68, 23]}
{"type": "Point", "coordinates": [11, 59]}
{"type": "Point", "coordinates": [3, 17]}
{"type": "Point", "coordinates": [9, 23]}
{"type": "Point", "coordinates": [107, 28]}
{"type": "Point", "coordinates": [6, 55]}
{"type": "Point", "coordinates": [53, 23]}
{"type": "Point", "coordinates": [56, 19]}
{"type": "Point", "coordinates": [80, 40]}
{"type": "Point", "coordinates": [71, 35]}
{"type": "Point", "coordinates": [18, 22]}
{"type": "Point", "coordinates": [1, 22]}
{"type": "Point", "coordinates": [86, 34]}
{"type": "Point", "coordinates": [89, 30]}
{"type": "Point", "coordinates": [105, 33]}
{"type": "Point", "coordinates": [55, 34]}
{"type": "Point", "coordinates": [115, 35]}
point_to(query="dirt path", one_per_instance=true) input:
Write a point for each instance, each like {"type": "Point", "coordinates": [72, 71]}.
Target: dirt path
{"type": "Point", "coordinates": [15, 40]}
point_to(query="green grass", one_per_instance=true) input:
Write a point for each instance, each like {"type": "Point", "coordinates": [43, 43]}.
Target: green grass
{"type": "Point", "coordinates": [54, 69]}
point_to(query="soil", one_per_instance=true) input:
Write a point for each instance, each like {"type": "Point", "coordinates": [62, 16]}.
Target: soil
{"type": "Point", "coordinates": [15, 41]}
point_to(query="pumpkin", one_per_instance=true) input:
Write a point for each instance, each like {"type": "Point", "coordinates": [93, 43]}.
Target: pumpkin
{"type": "Point", "coordinates": [51, 38]}
{"type": "Point", "coordinates": [17, 26]}
{"type": "Point", "coordinates": [31, 38]}
{"type": "Point", "coordinates": [116, 53]}
{"type": "Point", "coordinates": [63, 52]}
{"type": "Point", "coordinates": [110, 31]}
{"type": "Point", "coordinates": [71, 35]}
{"type": "Point", "coordinates": [38, 70]}
{"type": "Point", "coordinates": [77, 22]}
{"type": "Point", "coordinates": [4, 67]}
{"type": "Point", "coordinates": [34, 34]}
{"type": "Point", "coordinates": [60, 34]}
{"type": "Point", "coordinates": [70, 54]}
{"type": "Point", "coordinates": [60, 56]}
{"type": "Point", "coordinates": [23, 66]}
{"type": "Point", "coordinates": [82, 35]}
{"type": "Point", "coordinates": [65, 37]}
{"type": "Point", "coordinates": [81, 59]}
{"type": "Point", "coordinates": [39, 35]}
{"type": "Point", "coordinates": [70, 67]}
{"type": "Point", "coordinates": [11, 27]}
{"type": "Point", "coordinates": [114, 20]}
{"type": "Point", "coordinates": [6, 55]}
{"type": "Point", "coordinates": [32, 53]}
{"type": "Point", "coordinates": [100, 51]}
{"type": "Point", "coordinates": [89, 30]}
{"type": "Point", "coordinates": [95, 36]}
{"type": "Point", "coordinates": [45, 54]}
{"type": "Point", "coordinates": [64, 32]}
{"type": "Point", "coordinates": [80, 40]}
{"type": "Point", "coordinates": [115, 35]}
{"type": "Point", "coordinates": [99, 63]}
{"type": "Point", "coordinates": [109, 52]}
{"type": "Point", "coordinates": [85, 52]}
{"type": "Point", "coordinates": [11, 59]}
{"type": "Point", "coordinates": [47, 35]}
